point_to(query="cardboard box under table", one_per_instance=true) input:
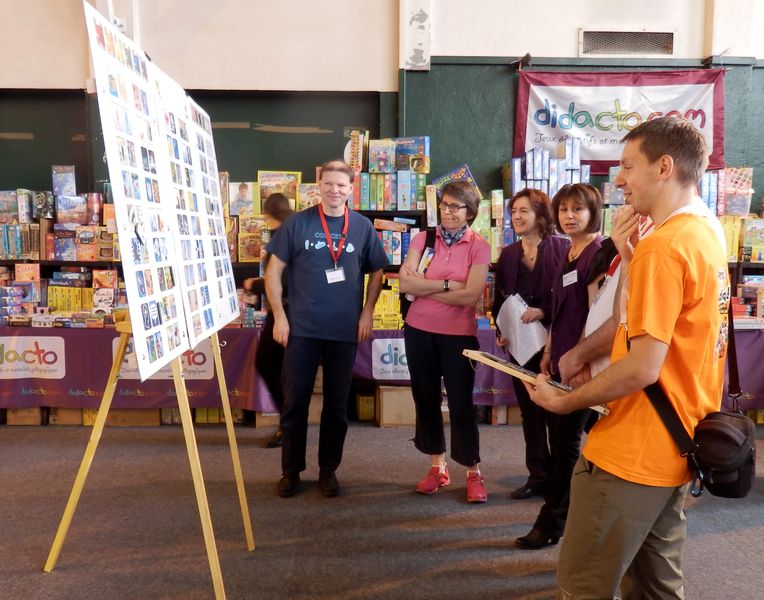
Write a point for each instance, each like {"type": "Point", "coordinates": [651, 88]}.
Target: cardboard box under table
{"type": "Point", "coordinates": [394, 406]}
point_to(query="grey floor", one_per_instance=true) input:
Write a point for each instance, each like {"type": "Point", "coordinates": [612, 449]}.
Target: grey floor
{"type": "Point", "coordinates": [136, 532]}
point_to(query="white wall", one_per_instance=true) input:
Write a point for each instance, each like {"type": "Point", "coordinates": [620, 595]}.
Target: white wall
{"type": "Point", "coordinates": [550, 28]}
{"type": "Point", "coordinates": [736, 27]}
{"type": "Point", "coordinates": [343, 44]}
{"type": "Point", "coordinates": [43, 44]}
{"type": "Point", "coordinates": [274, 45]}
{"type": "Point", "coordinates": [213, 44]}
{"type": "Point", "coordinates": [757, 21]}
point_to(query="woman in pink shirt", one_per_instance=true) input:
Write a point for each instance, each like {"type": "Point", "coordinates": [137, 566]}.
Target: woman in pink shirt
{"type": "Point", "coordinates": [439, 325]}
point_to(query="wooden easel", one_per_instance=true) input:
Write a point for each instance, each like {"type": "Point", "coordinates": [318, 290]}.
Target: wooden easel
{"type": "Point", "coordinates": [125, 330]}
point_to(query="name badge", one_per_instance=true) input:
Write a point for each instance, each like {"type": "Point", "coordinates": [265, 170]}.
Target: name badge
{"type": "Point", "coordinates": [570, 278]}
{"type": "Point", "coordinates": [335, 275]}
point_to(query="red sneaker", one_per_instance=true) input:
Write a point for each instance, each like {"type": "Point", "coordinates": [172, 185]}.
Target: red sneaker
{"type": "Point", "coordinates": [476, 491]}
{"type": "Point", "coordinates": [433, 482]}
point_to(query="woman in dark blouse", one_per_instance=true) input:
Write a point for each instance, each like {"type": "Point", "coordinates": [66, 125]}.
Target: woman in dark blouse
{"type": "Point", "coordinates": [577, 209]}
{"type": "Point", "coordinates": [270, 354]}
{"type": "Point", "coordinates": [528, 268]}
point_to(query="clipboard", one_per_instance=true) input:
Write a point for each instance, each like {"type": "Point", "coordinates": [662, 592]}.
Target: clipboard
{"type": "Point", "coordinates": [520, 373]}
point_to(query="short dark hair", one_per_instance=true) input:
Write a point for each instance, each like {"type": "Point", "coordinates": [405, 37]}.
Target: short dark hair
{"type": "Point", "coordinates": [466, 193]}
{"type": "Point", "coordinates": [336, 165]}
{"type": "Point", "coordinates": [277, 206]}
{"type": "Point", "coordinates": [589, 195]}
{"type": "Point", "coordinates": [542, 207]}
{"type": "Point", "coordinates": [679, 139]}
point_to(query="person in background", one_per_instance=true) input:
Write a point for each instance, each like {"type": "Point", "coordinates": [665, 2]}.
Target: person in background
{"type": "Point", "coordinates": [440, 324]}
{"type": "Point", "coordinates": [270, 354]}
{"type": "Point", "coordinates": [528, 267]}
{"type": "Point", "coordinates": [242, 203]}
{"type": "Point", "coordinates": [326, 250]}
{"type": "Point", "coordinates": [626, 529]}
{"type": "Point", "coordinates": [577, 209]}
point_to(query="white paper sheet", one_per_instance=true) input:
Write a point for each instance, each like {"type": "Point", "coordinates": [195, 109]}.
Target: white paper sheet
{"type": "Point", "coordinates": [525, 339]}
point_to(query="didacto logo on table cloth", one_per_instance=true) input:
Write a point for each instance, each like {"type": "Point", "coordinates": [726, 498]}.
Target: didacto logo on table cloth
{"type": "Point", "coordinates": [388, 359]}
{"type": "Point", "coordinates": [197, 363]}
{"type": "Point", "coordinates": [31, 356]}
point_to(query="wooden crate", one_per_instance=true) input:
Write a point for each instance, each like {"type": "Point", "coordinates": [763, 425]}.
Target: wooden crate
{"type": "Point", "coordinates": [65, 416]}
{"type": "Point", "coordinates": [263, 419]}
{"type": "Point", "coordinates": [24, 416]}
{"type": "Point", "coordinates": [318, 384]}
{"type": "Point", "coordinates": [314, 411]}
{"type": "Point", "coordinates": [126, 417]}
{"type": "Point", "coordinates": [365, 407]}
{"type": "Point", "coordinates": [394, 406]}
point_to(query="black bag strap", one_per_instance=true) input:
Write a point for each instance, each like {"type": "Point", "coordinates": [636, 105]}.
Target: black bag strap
{"type": "Point", "coordinates": [670, 418]}
{"type": "Point", "coordinates": [733, 388]}
{"type": "Point", "coordinates": [429, 239]}
{"type": "Point", "coordinates": [684, 442]}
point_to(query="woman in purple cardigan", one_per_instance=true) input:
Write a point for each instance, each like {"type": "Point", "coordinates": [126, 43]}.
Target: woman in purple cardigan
{"type": "Point", "coordinates": [577, 210]}
{"type": "Point", "coordinates": [529, 267]}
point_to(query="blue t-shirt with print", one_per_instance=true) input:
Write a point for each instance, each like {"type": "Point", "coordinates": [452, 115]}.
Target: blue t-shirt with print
{"type": "Point", "coordinates": [317, 308]}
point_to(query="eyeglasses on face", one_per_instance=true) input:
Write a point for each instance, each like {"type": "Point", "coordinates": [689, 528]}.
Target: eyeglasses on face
{"type": "Point", "coordinates": [452, 208]}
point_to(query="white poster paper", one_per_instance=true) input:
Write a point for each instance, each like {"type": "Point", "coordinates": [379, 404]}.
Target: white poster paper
{"type": "Point", "coordinates": [162, 166]}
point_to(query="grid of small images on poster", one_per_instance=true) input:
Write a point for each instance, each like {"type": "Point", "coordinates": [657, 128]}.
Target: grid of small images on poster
{"type": "Point", "coordinates": [155, 144]}
{"type": "Point", "coordinates": [209, 291]}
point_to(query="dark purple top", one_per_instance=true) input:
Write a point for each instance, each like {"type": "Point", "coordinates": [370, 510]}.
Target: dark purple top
{"type": "Point", "coordinates": [551, 253]}
{"type": "Point", "coordinates": [570, 304]}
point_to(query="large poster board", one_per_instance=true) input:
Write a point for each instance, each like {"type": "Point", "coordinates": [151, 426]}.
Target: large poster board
{"type": "Point", "coordinates": [206, 275]}
{"type": "Point", "coordinates": [161, 160]}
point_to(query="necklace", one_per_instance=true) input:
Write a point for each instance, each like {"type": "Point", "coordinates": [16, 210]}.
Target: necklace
{"type": "Point", "coordinates": [573, 254]}
{"type": "Point", "coordinates": [528, 257]}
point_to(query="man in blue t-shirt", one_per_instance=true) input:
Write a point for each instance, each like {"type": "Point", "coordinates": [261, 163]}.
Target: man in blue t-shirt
{"type": "Point", "coordinates": [326, 250]}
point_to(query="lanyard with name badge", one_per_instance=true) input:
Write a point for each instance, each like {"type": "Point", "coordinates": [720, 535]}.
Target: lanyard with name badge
{"type": "Point", "coordinates": [337, 274]}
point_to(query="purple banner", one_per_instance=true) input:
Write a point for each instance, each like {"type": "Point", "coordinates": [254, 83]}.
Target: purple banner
{"type": "Point", "coordinates": [69, 368]}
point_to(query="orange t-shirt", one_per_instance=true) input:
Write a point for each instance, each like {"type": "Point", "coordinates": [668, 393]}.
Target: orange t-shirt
{"type": "Point", "coordinates": [678, 293]}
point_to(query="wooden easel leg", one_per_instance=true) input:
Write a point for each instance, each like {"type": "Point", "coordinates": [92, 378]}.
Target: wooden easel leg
{"type": "Point", "coordinates": [196, 473]}
{"type": "Point", "coordinates": [232, 442]}
{"type": "Point", "coordinates": [87, 459]}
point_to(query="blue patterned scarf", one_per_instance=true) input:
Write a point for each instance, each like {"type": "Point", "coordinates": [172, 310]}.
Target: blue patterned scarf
{"type": "Point", "coordinates": [451, 237]}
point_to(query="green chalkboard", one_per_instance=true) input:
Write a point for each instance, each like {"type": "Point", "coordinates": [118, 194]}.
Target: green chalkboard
{"type": "Point", "coordinates": [468, 112]}
{"type": "Point", "coordinates": [284, 131]}
{"type": "Point", "coordinates": [39, 129]}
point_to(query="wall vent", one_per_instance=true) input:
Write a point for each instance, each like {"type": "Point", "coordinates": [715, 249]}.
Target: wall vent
{"type": "Point", "coordinates": [622, 44]}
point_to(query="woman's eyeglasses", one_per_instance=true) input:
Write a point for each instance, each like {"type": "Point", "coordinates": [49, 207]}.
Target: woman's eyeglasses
{"type": "Point", "coordinates": [452, 208]}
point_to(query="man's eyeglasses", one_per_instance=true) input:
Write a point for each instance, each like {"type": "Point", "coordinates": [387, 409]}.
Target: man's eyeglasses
{"type": "Point", "coordinates": [452, 208]}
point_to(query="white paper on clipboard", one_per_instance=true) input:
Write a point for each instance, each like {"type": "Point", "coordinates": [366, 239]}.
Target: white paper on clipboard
{"type": "Point", "coordinates": [525, 339]}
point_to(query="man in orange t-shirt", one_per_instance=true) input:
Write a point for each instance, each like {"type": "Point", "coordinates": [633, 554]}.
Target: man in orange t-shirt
{"type": "Point", "coordinates": [626, 526]}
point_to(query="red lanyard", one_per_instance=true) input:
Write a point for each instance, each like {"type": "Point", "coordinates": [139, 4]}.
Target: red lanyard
{"type": "Point", "coordinates": [329, 243]}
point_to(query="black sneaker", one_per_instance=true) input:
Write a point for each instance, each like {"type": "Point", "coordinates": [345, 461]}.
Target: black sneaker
{"type": "Point", "coordinates": [287, 485]}
{"type": "Point", "coordinates": [328, 484]}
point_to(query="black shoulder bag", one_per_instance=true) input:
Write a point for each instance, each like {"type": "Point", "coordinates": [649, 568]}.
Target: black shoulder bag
{"type": "Point", "coordinates": [429, 242]}
{"type": "Point", "coordinates": [722, 452]}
